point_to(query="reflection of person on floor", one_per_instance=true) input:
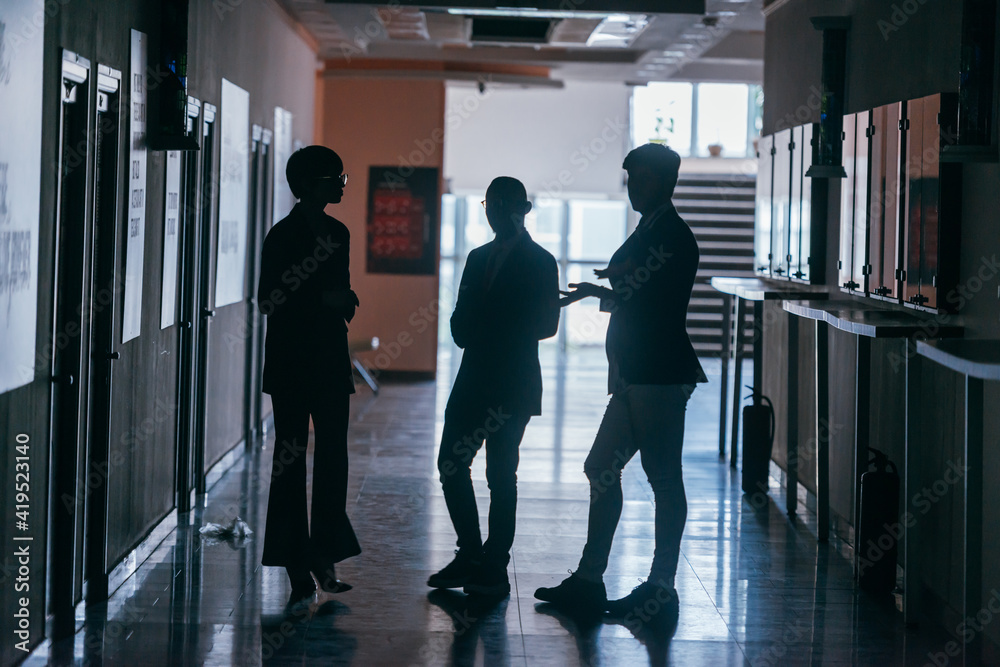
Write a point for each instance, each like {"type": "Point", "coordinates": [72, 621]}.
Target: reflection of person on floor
{"type": "Point", "coordinates": [305, 291]}
{"type": "Point", "coordinates": [507, 302]}
{"type": "Point", "coordinates": [653, 369]}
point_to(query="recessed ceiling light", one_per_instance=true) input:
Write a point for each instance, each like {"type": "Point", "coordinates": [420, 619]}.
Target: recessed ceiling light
{"type": "Point", "coordinates": [514, 12]}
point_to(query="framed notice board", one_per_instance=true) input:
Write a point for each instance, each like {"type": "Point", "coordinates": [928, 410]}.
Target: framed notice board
{"type": "Point", "coordinates": [402, 220]}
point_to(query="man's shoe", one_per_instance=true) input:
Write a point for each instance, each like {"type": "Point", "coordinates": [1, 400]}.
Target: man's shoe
{"type": "Point", "coordinates": [327, 578]}
{"type": "Point", "coordinates": [647, 601]}
{"type": "Point", "coordinates": [576, 594]}
{"type": "Point", "coordinates": [457, 573]}
{"type": "Point", "coordinates": [490, 580]}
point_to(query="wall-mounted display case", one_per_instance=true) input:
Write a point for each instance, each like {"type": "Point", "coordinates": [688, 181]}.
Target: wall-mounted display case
{"type": "Point", "coordinates": [853, 265]}
{"type": "Point", "coordinates": [932, 223]}
{"type": "Point", "coordinates": [781, 191]}
{"type": "Point", "coordinates": [900, 204]}
{"type": "Point", "coordinates": [787, 243]}
{"type": "Point", "coordinates": [885, 190]}
{"type": "Point", "coordinates": [762, 206]}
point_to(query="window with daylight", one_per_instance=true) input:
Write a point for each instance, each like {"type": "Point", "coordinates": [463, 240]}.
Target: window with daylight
{"type": "Point", "coordinates": [698, 119]}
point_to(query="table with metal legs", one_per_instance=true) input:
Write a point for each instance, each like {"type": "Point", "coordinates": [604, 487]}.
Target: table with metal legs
{"type": "Point", "coordinates": [865, 322]}
{"type": "Point", "coordinates": [737, 292]}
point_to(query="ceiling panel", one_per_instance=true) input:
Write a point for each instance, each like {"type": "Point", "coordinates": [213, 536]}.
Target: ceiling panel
{"type": "Point", "coordinates": [629, 41]}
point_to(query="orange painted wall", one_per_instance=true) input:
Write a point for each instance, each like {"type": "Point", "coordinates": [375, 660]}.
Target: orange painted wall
{"type": "Point", "coordinates": [381, 122]}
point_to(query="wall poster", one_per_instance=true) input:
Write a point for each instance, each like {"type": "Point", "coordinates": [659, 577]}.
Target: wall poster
{"type": "Point", "coordinates": [21, 79]}
{"type": "Point", "coordinates": [402, 217]}
{"type": "Point", "coordinates": [171, 220]}
{"type": "Point", "coordinates": [234, 193]}
{"type": "Point", "coordinates": [136, 241]}
{"type": "Point", "coordinates": [283, 199]}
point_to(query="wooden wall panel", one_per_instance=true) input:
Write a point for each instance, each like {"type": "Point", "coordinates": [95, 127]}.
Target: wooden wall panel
{"type": "Point", "coordinates": [775, 386]}
{"type": "Point", "coordinates": [226, 383]}
{"type": "Point", "coordinates": [843, 362]}
{"type": "Point", "coordinates": [775, 382]}
{"type": "Point", "coordinates": [939, 507]}
{"type": "Point", "coordinates": [991, 497]}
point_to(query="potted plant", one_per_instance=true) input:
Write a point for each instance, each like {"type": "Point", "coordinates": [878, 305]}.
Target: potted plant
{"type": "Point", "coordinates": [664, 129]}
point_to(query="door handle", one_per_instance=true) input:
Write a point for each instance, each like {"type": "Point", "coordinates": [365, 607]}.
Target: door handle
{"type": "Point", "coordinates": [207, 312]}
{"type": "Point", "coordinates": [114, 356]}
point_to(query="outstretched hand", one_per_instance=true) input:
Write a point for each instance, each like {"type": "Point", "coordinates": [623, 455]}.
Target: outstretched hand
{"type": "Point", "coordinates": [582, 291]}
{"type": "Point", "coordinates": [613, 271]}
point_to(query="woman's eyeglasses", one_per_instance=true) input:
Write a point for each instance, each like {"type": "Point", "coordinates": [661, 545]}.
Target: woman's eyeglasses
{"type": "Point", "coordinates": [342, 178]}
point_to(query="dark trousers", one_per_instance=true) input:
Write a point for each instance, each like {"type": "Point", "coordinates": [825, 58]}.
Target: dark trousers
{"type": "Point", "coordinates": [648, 419]}
{"type": "Point", "coordinates": [465, 430]}
{"type": "Point", "coordinates": [288, 540]}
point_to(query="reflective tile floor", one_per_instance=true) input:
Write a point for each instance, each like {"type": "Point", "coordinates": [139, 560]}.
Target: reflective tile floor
{"type": "Point", "coordinates": [755, 588]}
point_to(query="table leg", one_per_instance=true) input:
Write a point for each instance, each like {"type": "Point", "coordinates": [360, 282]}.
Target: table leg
{"type": "Point", "coordinates": [727, 332]}
{"type": "Point", "coordinates": [792, 420]}
{"type": "Point", "coordinates": [911, 486]}
{"type": "Point", "coordinates": [973, 495]}
{"type": "Point", "coordinates": [737, 379]}
{"type": "Point", "coordinates": [862, 420]}
{"type": "Point", "coordinates": [758, 351]}
{"type": "Point", "coordinates": [822, 432]}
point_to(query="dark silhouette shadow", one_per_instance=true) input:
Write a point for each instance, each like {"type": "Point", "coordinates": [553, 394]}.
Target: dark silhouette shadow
{"type": "Point", "coordinates": [584, 625]}
{"type": "Point", "coordinates": [507, 302]}
{"type": "Point", "coordinates": [305, 292]}
{"type": "Point", "coordinates": [305, 633]}
{"type": "Point", "coordinates": [474, 618]}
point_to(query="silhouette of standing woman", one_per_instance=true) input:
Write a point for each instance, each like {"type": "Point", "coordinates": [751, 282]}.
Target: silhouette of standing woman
{"type": "Point", "coordinates": [305, 291]}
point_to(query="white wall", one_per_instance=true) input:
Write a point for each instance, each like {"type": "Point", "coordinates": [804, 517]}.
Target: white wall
{"type": "Point", "coordinates": [556, 141]}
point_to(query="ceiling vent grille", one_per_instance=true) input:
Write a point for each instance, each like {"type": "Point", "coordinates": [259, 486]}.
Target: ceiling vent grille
{"type": "Point", "coordinates": [511, 29]}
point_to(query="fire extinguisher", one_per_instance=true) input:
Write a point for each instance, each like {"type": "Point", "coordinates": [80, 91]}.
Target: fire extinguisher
{"type": "Point", "coordinates": [758, 439]}
{"type": "Point", "coordinates": [879, 528]}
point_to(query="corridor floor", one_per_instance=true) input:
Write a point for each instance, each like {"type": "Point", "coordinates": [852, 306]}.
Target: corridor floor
{"type": "Point", "coordinates": [755, 588]}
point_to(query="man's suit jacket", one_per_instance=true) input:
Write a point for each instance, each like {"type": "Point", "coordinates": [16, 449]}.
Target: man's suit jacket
{"type": "Point", "coordinates": [647, 334]}
{"type": "Point", "coordinates": [305, 350]}
{"type": "Point", "coordinates": [499, 326]}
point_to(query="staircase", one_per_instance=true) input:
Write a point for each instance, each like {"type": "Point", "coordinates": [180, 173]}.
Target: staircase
{"type": "Point", "coordinates": [719, 208]}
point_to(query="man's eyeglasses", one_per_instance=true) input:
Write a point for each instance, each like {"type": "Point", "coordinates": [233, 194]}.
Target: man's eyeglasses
{"type": "Point", "coordinates": [342, 178]}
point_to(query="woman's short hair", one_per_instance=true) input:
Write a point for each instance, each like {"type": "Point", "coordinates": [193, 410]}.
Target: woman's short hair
{"type": "Point", "coordinates": [309, 163]}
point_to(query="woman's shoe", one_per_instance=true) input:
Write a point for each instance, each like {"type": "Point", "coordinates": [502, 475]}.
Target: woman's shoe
{"type": "Point", "coordinates": [328, 581]}
{"type": "Point", "coordinates": [303, 585]}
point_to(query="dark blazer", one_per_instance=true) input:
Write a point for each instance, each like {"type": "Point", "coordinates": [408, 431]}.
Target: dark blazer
{"type": "Point", "coordinates": [499, 327]}
{"type": "Point", "coordinates": [306, 345]}
{"type": "Point", "coordinates": [647, 334]}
